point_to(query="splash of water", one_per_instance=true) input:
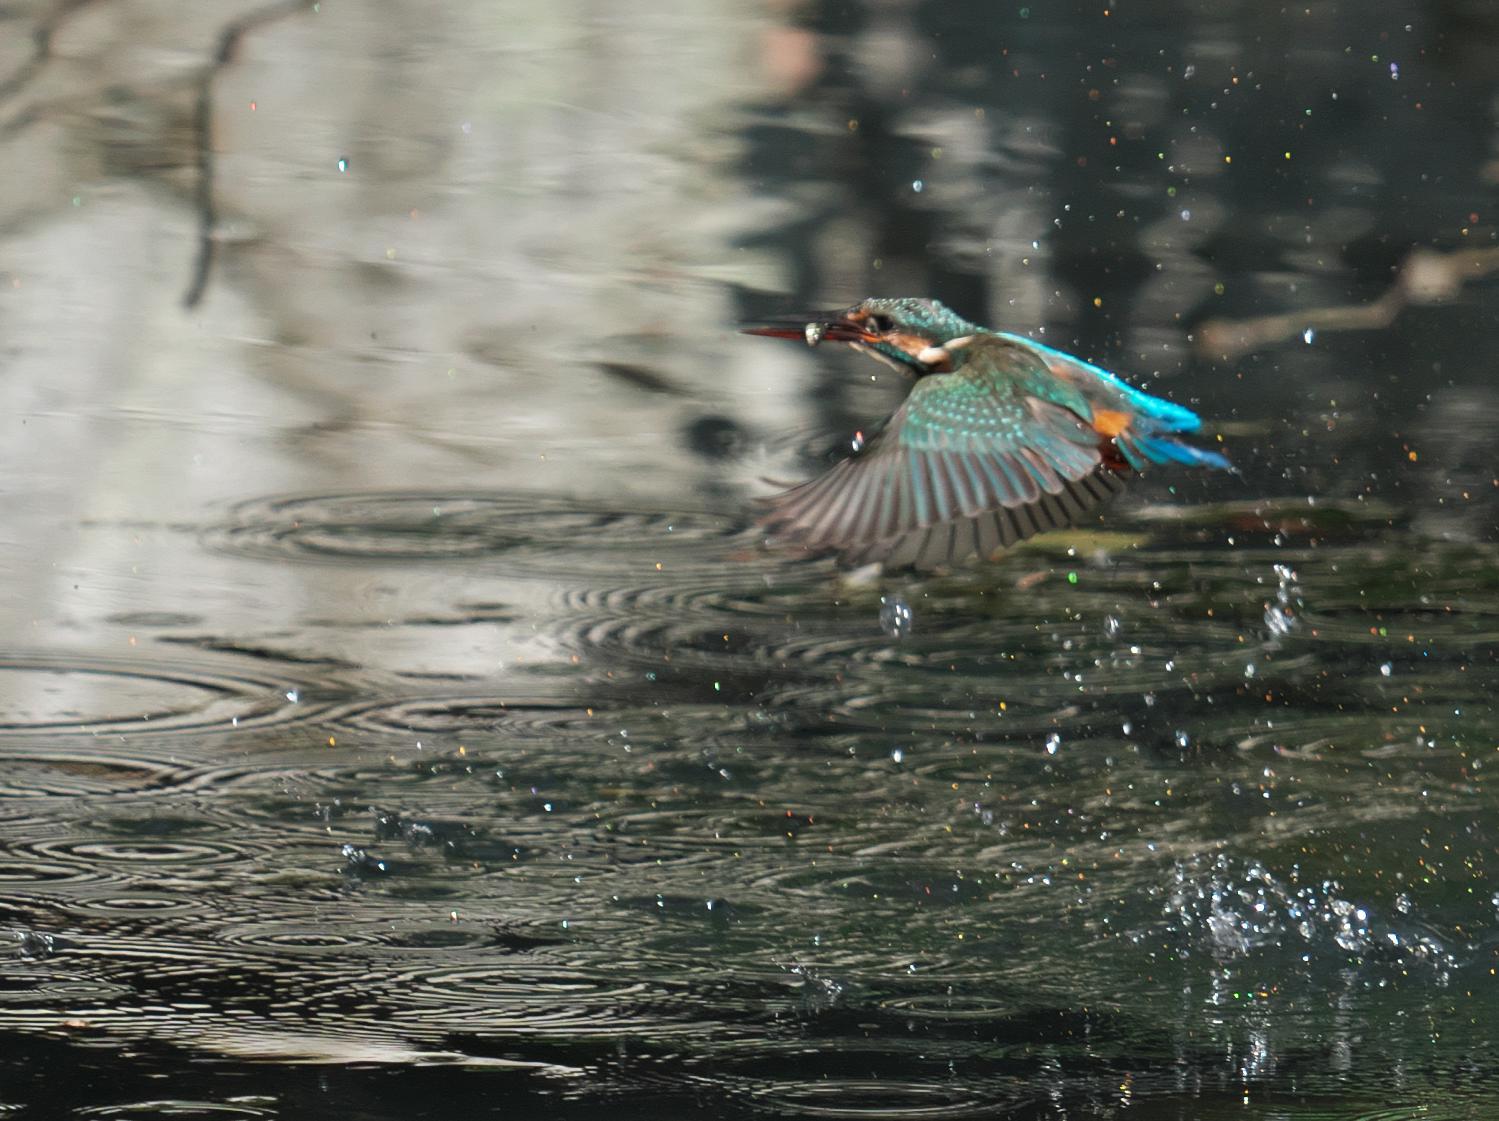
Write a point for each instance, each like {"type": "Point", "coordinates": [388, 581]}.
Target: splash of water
{"type": "Point", "coordinates": [896, 617]}
{"type": "Point", "coordinates": [1282, 614]}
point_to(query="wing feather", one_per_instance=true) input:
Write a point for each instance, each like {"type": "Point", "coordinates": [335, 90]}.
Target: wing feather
{"type": "Point", "coordinates": [988, 531]}
{"type": "Point", "coordinates": [970, 463]}
{"type": "Point", "coordinates": [988, 536]}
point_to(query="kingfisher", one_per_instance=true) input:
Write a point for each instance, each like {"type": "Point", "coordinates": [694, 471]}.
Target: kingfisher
{"type": "Point", "coordinates": [999, 439]}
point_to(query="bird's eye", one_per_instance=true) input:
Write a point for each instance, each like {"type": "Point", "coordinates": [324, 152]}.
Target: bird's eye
{"type": "Point", "coordinates": [882, 323]}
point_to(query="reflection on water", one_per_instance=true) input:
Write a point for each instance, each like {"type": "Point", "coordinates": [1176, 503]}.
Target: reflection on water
{"type": "Point", "coordinates": [399, 713]}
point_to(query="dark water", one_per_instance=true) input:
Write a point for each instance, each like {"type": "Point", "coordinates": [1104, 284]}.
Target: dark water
{"type": "Point", "coordinates": [400, 717]}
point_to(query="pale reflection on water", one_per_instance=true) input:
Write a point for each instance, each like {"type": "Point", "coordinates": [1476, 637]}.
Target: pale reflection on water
{"type": "Point", "coordinates": [394, 682]}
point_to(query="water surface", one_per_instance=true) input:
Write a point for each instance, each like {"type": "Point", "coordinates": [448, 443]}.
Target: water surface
{"type": "Point", "coordinates": [400, 715]}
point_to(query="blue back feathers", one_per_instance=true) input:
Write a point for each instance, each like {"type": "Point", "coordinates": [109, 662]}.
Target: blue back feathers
{"type": "Point", "coordinates": [1149, 440]}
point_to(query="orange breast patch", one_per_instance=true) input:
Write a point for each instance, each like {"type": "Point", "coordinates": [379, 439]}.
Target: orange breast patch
{"type": "Point", "coordinates": [1108, 422]}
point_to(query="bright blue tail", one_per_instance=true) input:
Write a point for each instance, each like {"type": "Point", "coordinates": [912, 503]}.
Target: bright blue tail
{"type": "Point", "coordinates": [1150, 437]}
{"type": "Point", "coordinates": [1167, 415]}
{"type": "Point", "coordinates": [1141, 451]}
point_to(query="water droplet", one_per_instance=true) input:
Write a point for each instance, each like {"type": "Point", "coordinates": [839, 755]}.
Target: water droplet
{"type": "Point", "coordinates": [1053, 743]}
{"type": "Point", "coordinates": [1189, 70]}
{"type": "Point", "coordinates": [1394, 71]}
{"type": "Point", "coordinates": [1308, 335]}
{"type": "Point", "coordinates": [814, 333]}
{"type": "Point", "coordinates": [917, 185]}
{"type": "Point", "coordinates": [1111, 626]}
{"type": "Point", "coordinates": [34, 946]}
{"type": "Point", "coordinates": [897, 755]}
{"type": "Point", "coordinates": [1386, 669]}
{"type": "Point", "coordinates": [293, 696]}
{"type": "Point", "coordinates": [343, 163]}
{"type": "Point", "coordinates": [895, 616]}
{"type": "Point", "coordinates": [1280, 616]}
{"type": "Point", "coordinates": [1186, 215]}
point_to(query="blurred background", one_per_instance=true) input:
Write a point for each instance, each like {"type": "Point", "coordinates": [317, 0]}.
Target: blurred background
{"type": "Point", "coordinates": [400, 714]}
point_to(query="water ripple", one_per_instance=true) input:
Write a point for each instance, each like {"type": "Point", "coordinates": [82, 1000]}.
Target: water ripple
{"type": "Point", "coordinates": [877, 1099]}
{"type": "Point", "coordinates": [57, 695]}
{"type": "Point", "coordinates": [519, 529]}
{"type": "Point", "coordinates": [184, 1108]}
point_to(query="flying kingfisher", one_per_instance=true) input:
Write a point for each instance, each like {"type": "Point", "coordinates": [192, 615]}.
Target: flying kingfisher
{"type": "Point", "coordinates": [999, 439]}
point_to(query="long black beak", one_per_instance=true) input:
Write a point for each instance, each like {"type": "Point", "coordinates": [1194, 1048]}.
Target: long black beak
{"type": "Point", "coordinates": [830, 326]}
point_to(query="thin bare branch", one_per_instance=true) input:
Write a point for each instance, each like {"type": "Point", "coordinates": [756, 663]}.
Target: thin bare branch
{"type": "Point", "coordinates": [203, 193]}
{"type": "Point", "coordinates": [1426, 277]}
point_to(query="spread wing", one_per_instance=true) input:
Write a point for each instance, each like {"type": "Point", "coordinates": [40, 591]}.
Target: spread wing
{"type": "Point", "coordinates": [969, 463]}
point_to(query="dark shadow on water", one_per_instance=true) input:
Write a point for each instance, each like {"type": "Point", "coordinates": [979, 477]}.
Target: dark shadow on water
{"type": "Point", "coordinates": [1041, 1066]}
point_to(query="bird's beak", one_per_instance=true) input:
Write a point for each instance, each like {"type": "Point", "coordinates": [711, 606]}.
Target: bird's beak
{"type": "Point", "coordinates": [818, 327]}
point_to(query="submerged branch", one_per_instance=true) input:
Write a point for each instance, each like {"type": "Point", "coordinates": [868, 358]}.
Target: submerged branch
{"type": "Point", "coordinates": [41, 47]}
{"type": "Point", "coordinates": [1426, 277]}
{"type": "Point", "coordinates": [203, 193]}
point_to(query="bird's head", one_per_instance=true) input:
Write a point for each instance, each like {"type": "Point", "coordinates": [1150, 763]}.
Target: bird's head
{"type": "Point", "coordinates": [909, 334]}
